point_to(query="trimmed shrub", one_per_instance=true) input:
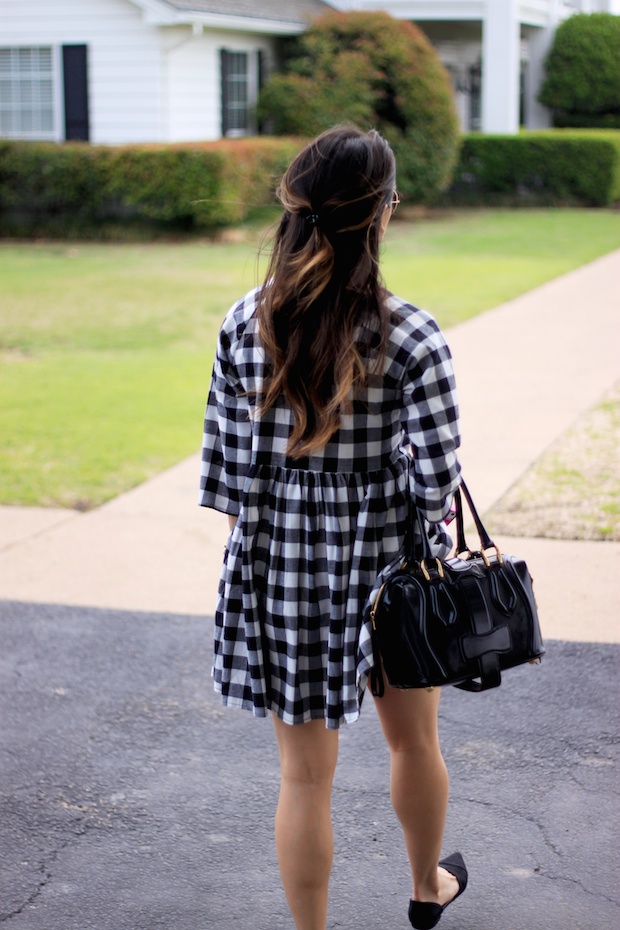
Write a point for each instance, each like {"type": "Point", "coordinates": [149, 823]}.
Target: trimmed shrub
{"type": "Point", "coordinates": [582, 85]}
{"type": "Point", "coordinates": [554, 168]}
{"type": "Point", "coordinates": [85, 190]}
{"type": "Point", "coordinates": [375, 71]}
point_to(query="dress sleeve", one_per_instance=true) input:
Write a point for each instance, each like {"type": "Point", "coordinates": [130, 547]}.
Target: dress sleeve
{"type": "Point", "coordinates": [227, 438]}
{"type": "Point", "coordinates": [431, 424]}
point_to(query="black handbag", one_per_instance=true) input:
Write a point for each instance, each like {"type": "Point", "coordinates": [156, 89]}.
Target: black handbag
{"type": "Point", "coordinates": [460, 621]}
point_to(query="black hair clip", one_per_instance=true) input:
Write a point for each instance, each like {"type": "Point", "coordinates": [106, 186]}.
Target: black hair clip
{"type": "Point", "coordinates": [312, 219]}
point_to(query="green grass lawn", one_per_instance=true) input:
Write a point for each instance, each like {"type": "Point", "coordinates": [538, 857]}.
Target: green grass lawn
{"type": "Point", "coordinates": [462, 263]}
{"type": "Point", "coordinates": [106, 350]}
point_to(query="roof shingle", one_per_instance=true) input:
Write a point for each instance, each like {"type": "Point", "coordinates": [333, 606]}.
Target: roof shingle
{"type": "Point", "coordinates": [289, 11]}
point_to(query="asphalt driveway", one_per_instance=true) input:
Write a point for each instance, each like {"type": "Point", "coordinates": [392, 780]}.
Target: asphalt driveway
{"type": "Point", "coordinates": [132, 801]}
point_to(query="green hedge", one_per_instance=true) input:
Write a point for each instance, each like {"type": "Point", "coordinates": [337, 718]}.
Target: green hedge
{"type": "Point", "coordinates": [94, 191]}
{"type": "Point", "coordinates": [104, 192]}
{"type": "Point", "coordinates": [554, 168]}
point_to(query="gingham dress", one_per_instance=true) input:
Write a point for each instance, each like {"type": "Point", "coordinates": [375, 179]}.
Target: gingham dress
{"type": "Point", "coordinates": [312, 535]}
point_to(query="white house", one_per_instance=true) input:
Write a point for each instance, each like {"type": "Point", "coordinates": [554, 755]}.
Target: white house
{"type": "Point", "coordinates": [115, 71]}
{"type": "Point", "coordinates": [494, 49]}
{"type": "Point", "coordinates": [120, 71]}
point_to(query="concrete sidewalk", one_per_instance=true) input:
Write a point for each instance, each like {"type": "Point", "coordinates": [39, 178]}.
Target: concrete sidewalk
{"type": "Point", "coordinates": [525, 372]}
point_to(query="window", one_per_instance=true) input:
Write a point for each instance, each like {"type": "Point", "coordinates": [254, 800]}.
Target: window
{"type": "Point", "coordinates": [27, 93]}
{"type": "Point", "coordinates": [243, 75]}
{"type": "Point", "coordinates": [475, 97]}
{"type": "Point", "coordinates": [235, 93]}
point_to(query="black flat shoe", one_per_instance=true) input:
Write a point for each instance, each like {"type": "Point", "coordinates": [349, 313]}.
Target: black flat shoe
{"type": "Point", "coordinates": [425, 915]}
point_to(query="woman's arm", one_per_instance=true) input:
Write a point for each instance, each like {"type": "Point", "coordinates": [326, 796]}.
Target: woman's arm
{"type": "Point", "coordinates": [431, 423]}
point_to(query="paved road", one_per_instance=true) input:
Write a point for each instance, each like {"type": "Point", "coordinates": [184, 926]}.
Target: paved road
{"type": "Point", "coordinates": [132, 801]}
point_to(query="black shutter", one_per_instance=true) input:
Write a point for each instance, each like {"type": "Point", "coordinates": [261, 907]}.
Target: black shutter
{"type": "Point", "coordinates": [76, 92]}
{"type": "Point", "coordinates": [225, 70]}
{"type": "Point", "coordinates": [260, 56]}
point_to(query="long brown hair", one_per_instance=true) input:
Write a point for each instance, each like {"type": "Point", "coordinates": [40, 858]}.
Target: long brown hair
{"type": "Point", "coordinates": [323, 291]}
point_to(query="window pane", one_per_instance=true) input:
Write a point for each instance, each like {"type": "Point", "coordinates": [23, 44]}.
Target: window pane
{"type": "Point", "coordinates": [46, 92]}
{"type": "Point", "coordinates": [47, 120]}
{"type": "Point", "coordinates": [24, 61]}
{"type": "Point", "coordinates": [45, 59]}
{"type": "Point", "coordinates": [27, 92]}
{"type": "Point", "coordinates": [6, 93]}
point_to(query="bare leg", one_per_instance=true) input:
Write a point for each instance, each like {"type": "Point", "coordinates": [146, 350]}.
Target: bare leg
{"type": "Point", "coordinates": [304, 836]}
{"type": "Point", "coordinates": [419, 786]}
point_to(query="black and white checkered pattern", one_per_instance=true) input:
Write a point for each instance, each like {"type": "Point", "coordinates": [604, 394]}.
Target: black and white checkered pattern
{"type": "Point", "coordinates": [313, 534]}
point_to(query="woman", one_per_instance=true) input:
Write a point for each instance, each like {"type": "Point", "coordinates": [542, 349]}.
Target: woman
{"type": "Point", "coordinates": [332, 410]}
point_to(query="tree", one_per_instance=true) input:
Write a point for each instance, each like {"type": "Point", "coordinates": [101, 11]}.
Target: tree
{"type": "Point", "coordinates": [582, 84]}
{"type": "Point", "coordinates": [377, 72]}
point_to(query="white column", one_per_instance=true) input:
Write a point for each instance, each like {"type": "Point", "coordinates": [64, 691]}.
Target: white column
{"type": "Point", "coordinates": [539, 42]}
{"type": "Point", "coordinates": [500, 67]}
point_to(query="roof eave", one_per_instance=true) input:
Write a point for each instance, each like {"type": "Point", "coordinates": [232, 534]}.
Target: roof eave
{"type": "Point", "coordinates": [223, 22]}
{"type": "Point", "coordinates": [159, 14]}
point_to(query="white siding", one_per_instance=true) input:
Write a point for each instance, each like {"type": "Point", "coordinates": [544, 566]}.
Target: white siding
{"type": "Point", "coordinates": [124, 60]}
{"type": "Point", "coordinates": [193, 80]}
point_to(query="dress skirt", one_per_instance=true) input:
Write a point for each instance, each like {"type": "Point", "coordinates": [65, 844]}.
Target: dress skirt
{"type": "Point", "coordinates": [298, 570]}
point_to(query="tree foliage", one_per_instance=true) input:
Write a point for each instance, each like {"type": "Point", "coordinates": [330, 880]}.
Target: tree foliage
{"type": "Point", "coordinates": [377, 72]}
{"type": "Point", "coordinates": [582, 85]}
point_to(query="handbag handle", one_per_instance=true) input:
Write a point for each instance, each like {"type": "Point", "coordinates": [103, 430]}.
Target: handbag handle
{"type": "Point", "coordinates": [461, 543]}
{"type": "Point", "coordinates": [485, 540]}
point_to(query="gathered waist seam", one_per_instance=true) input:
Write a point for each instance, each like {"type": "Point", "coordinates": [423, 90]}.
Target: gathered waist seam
{"type": "Point", "coordinates": [398, 457]}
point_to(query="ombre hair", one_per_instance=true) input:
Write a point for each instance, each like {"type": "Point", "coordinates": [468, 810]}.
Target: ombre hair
{"type": "Point", "coordinates": [323, 300]}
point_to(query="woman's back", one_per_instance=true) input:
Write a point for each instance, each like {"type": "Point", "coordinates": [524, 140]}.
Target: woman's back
{"type": "Point", "coordinates": [371, 433]}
